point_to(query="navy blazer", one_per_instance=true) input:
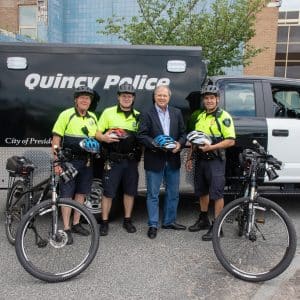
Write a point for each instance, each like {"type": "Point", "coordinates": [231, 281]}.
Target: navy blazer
{"type": "Point", "coordinates": [150, 127]}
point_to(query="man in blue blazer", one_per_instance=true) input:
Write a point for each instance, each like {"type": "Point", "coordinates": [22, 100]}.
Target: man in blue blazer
{"type": "Point", "coordinates": [160, 164]}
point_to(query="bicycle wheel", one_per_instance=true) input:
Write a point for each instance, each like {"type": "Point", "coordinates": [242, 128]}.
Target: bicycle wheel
{"type": "Point", "coordinates": [262, 253]}
{"type": "Point", "coordinates": [50, 258]}
{"type": "Point", "coordinates": [15, 208]}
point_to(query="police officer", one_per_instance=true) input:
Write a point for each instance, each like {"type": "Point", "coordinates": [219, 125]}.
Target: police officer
{"type": "Point", "coordinates": [73, 125]}
{"type": "Point", "coordinates": [117, 128]}
{"type": "Point", "coordinates": [209, 178]}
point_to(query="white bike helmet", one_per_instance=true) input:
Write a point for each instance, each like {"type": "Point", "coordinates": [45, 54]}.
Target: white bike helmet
{"type": "Point", "coordinates": [198, 138]}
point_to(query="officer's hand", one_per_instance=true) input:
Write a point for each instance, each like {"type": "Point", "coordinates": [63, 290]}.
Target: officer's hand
{"type": "Point", "coordinates": [189, 165]}
{"type": "Point", "coordinates": [58, 170]}
{"type": "Point", "coordinates": [206, 147]}
{"type": "Point", "coordinates": [177, 148]}
{"type": "Point", "coordinates": [107, 138]}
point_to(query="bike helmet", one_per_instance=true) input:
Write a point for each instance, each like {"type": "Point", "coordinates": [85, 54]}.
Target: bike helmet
{"type": "Point", "coordinates": [210, 89]}
{"type": "Point", "coordinates": [118, 133]}
{"type": "Point", "coordinates": [83, 89]}
{"type": "Point", "coordinates": [90, 145]}
{"type": "Point", "coordinates": [164, 141]}
{"type": "Point", "coordinates": [126, 88]}
{"type": "Point", "coordinates": [198, 138]}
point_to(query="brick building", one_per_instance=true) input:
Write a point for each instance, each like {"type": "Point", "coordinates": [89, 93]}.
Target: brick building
{"type": "Point", "coordinates": [74, 21]}
{"type": "Point", "coordinates": [265, 38]}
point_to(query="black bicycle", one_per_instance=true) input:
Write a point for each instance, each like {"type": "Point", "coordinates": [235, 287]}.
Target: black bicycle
{"type": "Point", "coordinates": [21, 194]}
{"type": "Point", "coordinates": [254, 238]}
{"type": "Point", "coordinates": [41, 242]}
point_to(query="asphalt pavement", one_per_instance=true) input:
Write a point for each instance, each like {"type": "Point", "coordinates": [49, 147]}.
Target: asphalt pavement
{"type": "Point", "coordinates": [175, 265]}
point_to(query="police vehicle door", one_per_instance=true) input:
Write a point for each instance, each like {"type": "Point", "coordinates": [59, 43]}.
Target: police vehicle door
{"type": "Point", "coordinates": [284, 131]}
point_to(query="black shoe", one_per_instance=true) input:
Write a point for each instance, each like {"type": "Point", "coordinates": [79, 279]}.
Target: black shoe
{"type": "Point", "coordinates": [69, 235]}
{"type": "Point", "coordinates": [174, 226]}
{"type": "Point", "coordinates": [130, 228]}
{"type": "Point", "coordinates": [201, 224]}
{"type": "Point", "coordinates": [79, 229]}
{"type": "Point", "coordinates": [103, 228]}
{"type": "Point", "coordinates": [208, 235]}
{"type": "Point", "coordinates": [152, 232]}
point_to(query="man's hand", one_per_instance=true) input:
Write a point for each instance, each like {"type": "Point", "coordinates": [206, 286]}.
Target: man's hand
{"type": "Point", "coordinates": [177, 148]}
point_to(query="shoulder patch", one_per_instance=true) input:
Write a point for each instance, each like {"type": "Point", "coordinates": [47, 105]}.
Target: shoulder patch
{"type": "Point", "coordinates": [227, 122]}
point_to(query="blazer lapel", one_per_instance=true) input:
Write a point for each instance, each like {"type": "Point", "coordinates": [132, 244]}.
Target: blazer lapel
{"type": "Point", "coordinates": [156, 118]}
{"type": "Point", "coordinates": [173, 125]}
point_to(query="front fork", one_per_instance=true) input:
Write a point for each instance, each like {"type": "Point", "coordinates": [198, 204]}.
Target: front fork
{"type": "Point", "coordinates": [251, 208]}
{"type": "Point", "coordinates": [54, 208]}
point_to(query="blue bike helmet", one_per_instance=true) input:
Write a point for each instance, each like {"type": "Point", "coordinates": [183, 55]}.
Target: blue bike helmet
{"type": "Point", "coordinates": [90, 145]}
{"type": "Point", "coordinates": [164, 141]}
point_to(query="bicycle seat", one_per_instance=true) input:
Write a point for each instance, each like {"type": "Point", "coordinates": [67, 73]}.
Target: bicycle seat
{"type": "Point", "coordinates": [19, 166]}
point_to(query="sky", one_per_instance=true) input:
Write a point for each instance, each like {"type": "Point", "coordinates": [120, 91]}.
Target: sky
{"type": "Point", "coordinates": [290, 5]}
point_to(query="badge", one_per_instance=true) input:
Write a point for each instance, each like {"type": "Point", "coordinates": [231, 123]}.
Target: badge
{"type": "Point", "coordinates": [227, 122]}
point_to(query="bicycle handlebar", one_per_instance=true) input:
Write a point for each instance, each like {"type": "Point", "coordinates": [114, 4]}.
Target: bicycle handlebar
{"type": "Point", "coordinates": [261, 160]}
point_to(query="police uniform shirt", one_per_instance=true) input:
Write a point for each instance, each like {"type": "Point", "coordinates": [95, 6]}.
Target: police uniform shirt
{"type": "Point", "coordinates": [206, 122]}
{"type": "Point", "coordinates": [114, 117]}
{"type": "Point", "coordinates": [73, 127]}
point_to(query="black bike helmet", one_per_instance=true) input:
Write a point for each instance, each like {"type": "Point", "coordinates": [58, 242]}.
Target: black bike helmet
{"type": "Point", "coordinates": [210, 89]}
{"type": "Point", "coordinates": [83, 89]}
{"type": "Point", "coordinates": [126, 88]}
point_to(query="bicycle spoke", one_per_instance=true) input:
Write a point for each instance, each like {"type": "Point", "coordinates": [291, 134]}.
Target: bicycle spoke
{"type": "Point", "coordinates": [259, 252]}
{"type": "Point", "coordinates": [52, 256]}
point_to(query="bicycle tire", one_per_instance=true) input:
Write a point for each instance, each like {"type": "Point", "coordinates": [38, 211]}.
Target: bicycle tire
{"type": "Point", "coordinates": [56, 261]}
{"type": "Point", "coordinates": [266, 252]}
{"type": "Point", "coordinates": [15, 208]}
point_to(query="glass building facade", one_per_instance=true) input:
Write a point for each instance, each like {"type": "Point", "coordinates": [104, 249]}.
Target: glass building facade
{"type": "Point", "coordinates": [75, 21]}
{"type": "Point", "coordinates": [287, 61]}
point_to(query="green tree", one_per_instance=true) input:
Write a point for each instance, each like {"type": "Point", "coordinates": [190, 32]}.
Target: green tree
{"type": "Point", "coordinates": [223, 29]}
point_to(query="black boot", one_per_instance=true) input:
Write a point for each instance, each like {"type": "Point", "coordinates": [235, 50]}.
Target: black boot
{"type": "Point", "coordinates": [103, 227]}
{"type": "Point", "coordinates": [127, 224]}
{"type": "Point", "coordinates": [208, 235]}
{"type": "Point", "coordinates": [201, 224]}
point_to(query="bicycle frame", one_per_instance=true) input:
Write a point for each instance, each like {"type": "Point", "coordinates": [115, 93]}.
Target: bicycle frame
{"type": "Point", "coordinates": [250, 192]}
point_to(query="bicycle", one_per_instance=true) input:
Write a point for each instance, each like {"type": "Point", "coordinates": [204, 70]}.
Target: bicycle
{"type": "Point", "coordinates": [21, 195]}
{"type": "Point", "coordinates": [254, 238]}
{"type": "Point", "coordinates": [41, 242]}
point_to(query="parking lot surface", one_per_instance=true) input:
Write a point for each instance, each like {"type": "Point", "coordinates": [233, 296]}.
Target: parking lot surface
{"type": "Point", "coordinates": [175, 265]}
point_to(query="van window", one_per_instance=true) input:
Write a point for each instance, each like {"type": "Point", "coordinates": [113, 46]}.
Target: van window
{"type": "Point", "coordinates": [286, 102]}
{"type": "Point", "coordinates": [240, 99]}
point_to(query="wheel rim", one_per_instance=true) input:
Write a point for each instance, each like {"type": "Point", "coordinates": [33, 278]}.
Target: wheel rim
{"type": "Point", "coordinates": [257, 254]}
{"type": "Point", "coordinates": [56, 260]}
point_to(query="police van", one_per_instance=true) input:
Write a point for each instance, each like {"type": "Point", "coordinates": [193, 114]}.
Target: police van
{"type": "Point", "coordinates": [37, 83]}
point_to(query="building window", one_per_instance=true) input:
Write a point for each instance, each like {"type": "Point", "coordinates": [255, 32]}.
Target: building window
{"type": "Point", "coordinates": [292, 15]}
{"type": "Point", "coordinates": [287, 61]}
{"type": "Point", "coordinates": [28, 20]}
{"type": "Point", "coordinates": [282, 34]}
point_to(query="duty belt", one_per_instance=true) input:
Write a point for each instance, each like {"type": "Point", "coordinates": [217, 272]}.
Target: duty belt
{"type": "Point", "coordinates": [115, 156]}
{"type": "Point", "coordinates": [78, 156]}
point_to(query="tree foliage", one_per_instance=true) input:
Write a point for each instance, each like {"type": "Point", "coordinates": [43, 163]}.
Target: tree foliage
{"type": "Point", "coordinates": [223, 29]}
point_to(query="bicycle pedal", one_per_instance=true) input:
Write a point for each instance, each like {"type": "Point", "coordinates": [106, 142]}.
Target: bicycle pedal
{"type": "Point", "coordinates": [42, 244]}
